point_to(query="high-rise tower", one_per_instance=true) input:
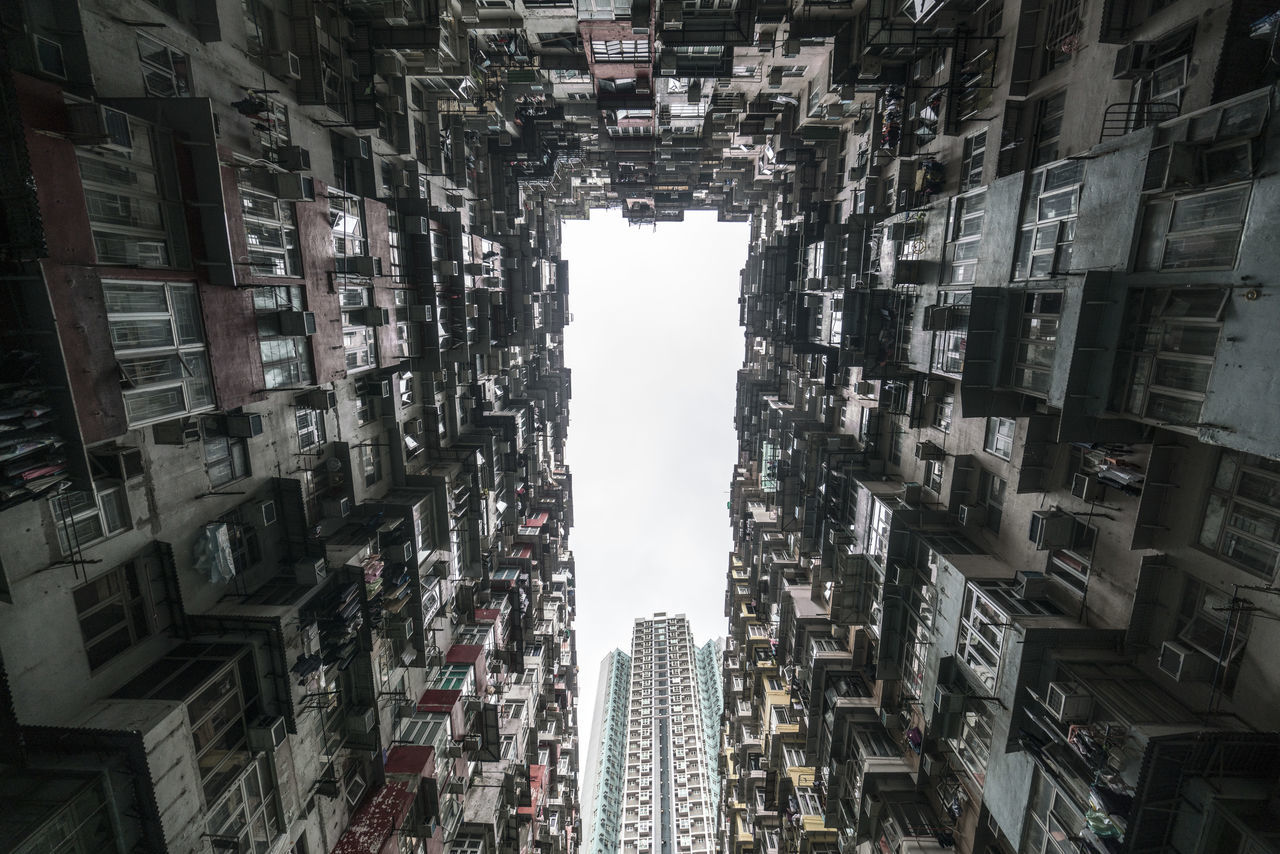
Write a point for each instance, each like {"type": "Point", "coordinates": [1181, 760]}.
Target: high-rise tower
{"type": "Point", "coordinates": [652, 787]}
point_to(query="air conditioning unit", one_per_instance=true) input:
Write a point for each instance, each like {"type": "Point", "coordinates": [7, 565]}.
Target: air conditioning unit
{"type": "Point", "coordinates": [291, 187]}
{"type": "Point", "coordinates": [361, 720]}
{"type": "Point", "coordinates": [421, 313]}
{"type": "Point", "coordinates": [864, 388]}
{"type": "Point", "coordinates": [929, 451]}
{"type": "Point", "coordinates": [413, 427]}
{"type": "Point", "coordinates": [471, 743]}
{"type": "Point", "coordinates": [337, 508]}
{"type": "Point", "coordinates": [267, 734]}
{"type": "Point", "coordinates": [296, 322]}
{"type": "Point", "coordinates": [452, 751]}
{"type": "Point", "coordinates": [267, 513]}
{"type": "Point", "coordinates": [1087, 487]}
{"type": "Point", "coordinates": [400, 629]}
{"type": "Point", "coordinates": [244, 426]}
{"type": "Point", "coordinates": [375, 316]}
{"type": "Point", "coordinates": [455, 786]}
{"type": "Point", "coordinates": [446, 268]}
{"type": "Point", "coordinates": [286, 65]}
{"type": "Point", "coordinates": [309, 572]}
{"type": "Point", "coordinates": [416, 225]}
{"type": "Point", "coordinates": [402, 552]}
{"type": "Point", "coordinates": [1068, 703]}
{"type": "Point", "coordinates": [363, 265]}
{"type": "Point", "coordinates": [1176, 166]}
{"type": "Point", "coordinates": [294, 158]}
{"type": "Point", "coordinates": [911, 492]}
{"type": "Point", "coordinates": [94, 124]}
{"type": "Point", "coordinates": [319, 399]}
{"type": "Point", "coordinates": [1183, 664]}
{"type": "Point", "coordinates": [1131, 61]}
{"type": "Point", "coordinates": [972, 515]}
{"type": "Point", "coordinates": [1032, 584]}
{"type": "Point", "coordinates": [1051, 529]}
{"type": "Point", "coordinates": [356, 147]}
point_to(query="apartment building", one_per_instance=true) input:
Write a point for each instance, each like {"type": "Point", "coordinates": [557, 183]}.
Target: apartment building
{"type": "Point", "coordinates": [286, 561]}
{"type": "Point", "coordinates": [997, 584]}
{"type": "Point", "coordinates": [650, 767]}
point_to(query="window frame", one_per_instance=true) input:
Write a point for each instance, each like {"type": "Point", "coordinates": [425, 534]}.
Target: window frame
{"type": "Point", "coordinates": [177, 70]}
{"type": "Point", "coordinates": [1000, 435]}
{"type": "Point", "coordinates": [103, 491]}
{"type": "Point", "coordinates": [129, 589]}
{"type": "Point", "coordinates": [1220, 537]}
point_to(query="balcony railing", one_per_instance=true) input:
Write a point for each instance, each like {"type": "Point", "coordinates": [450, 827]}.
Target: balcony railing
{"type": "Point", "coordinates": [1126, 116]}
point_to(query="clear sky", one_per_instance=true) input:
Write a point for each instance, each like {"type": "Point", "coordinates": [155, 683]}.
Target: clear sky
{"type": "Point", "coordinates": [654, 347]}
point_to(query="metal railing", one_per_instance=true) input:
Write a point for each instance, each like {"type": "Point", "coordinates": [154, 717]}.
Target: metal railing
{"type": "Point", "coordinates": [1126, 116]}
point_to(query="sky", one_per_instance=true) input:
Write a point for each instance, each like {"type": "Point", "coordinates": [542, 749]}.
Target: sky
{"type": "Point", "coordinates": [654, 348]}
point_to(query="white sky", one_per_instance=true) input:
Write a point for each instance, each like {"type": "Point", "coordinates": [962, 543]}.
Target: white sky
{"type": "Point", "coordinates": [654, 347]}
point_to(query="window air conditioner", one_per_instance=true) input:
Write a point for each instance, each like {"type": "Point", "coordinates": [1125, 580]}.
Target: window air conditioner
{"type": "Point", "coordinates": [309, 572]}
{"type": "Point", "coordinates": [1068, 703]}
{"type": "Point", "coordinates": [362, 265]}
{"type": "Point", "coordinates": [1131, 61]}
{"type": "Point", "coordinates": [291, 187]}
{"type": "Point", "coordinates": [972, 515]}
{"type": "Point", "coordinates": [1086, 486]}
{"type": "Point", "coordinates": [1032, 584]}
{"type": "Point", "coordinates": [911, 493]}
{"type": "Point", "coordinates": [375, 316]}
{"type": "Point", "coordinates": [361, 720]}
{"type": "Point", "coordinates": [421, 313]}
{"type": "Point", "coordinates": [929, 451]}
{"type": "Point", "coordinates": [1183, 664]}
{"type": "Point", "coordinates": [416, 225]}
{"type": "Point", "coordinates": [286, 65]}
{"type": "Point", "coordinates": [294, 158]}
{"type": "Point", "coordinates": [243, 426]}
{"type": "Point", "coordinates": [337, 508]}
{"type": "Point", "coordinates": [267, 734]}
{"type": "Point", "coordinates": [319, 399]}
{"type": "Point", "coordinates": [1050, 529]}
{"type": "Point", "coordinates": [296, 322]}
{"type": "Point", "coordinates": [94, 124]}
{"type": "Point", "coordinates": [356, 147]}
{"type": "Point", "coordinates": [446, 268]}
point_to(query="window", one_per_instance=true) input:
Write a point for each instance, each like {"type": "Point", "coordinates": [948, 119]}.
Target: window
{"type": "Point", "coordinates": [1242, 516]}
{"type": "Point", "coordinates": [124, 197]}
{"type": "Point", "coordinates": [966, 235]}
{"type": "Point", "coordinates": [371, 464]}
{"type": "Point", "coordinates": [808, 800]}
{"type": "Point", "coordinates": [951, 334]}
{"type": "Point", "coordinates": [999, 439]}
{"type": "Point", "coordinates": [1037, 341]}
{"type": "Point", "coordinates": [1053, 819]}
{"type": "Point", "coordinates": [981, 638]}
{"type": "Point", "coordinates": [346, 216]}
{"type": "Point", "coordinates": [1050, 114]}
{"type": "Point", "coordinates": [269, 225]}
{"type": "Point", "coordinates": [310, 424]}
{"type": "Point", "coordinates": [166, 73]}
{"type": "Point", "coordinates": [455, 677]}
{"type": "Point", "coordinates": [354, 781]}
{"type": "Point", "coordinates": [216, 712]}
{"type": "Point", "coordinates": [358, 339]}
{"type": "Point", "coordinates": [1197, 232]}
{"type": "Point", "coordinates": [1061, 33]}
{"type": "Point", "coordinates": [259, 29]}
{"type": "Point", "coordinates": [225, 459]}
{"type": "Point", "coordinates": [612, 50]}
{"type": "Point", "coordinates": [286, 360]}
{"type": "Point", "coordinates": [943, 411]}
{"type": "Point", "coordinates": [991, 489]}
{"type": "Point", "coordinates": [83, 518]}
{"type": "Point", "coordinates": [1071, 565]}
{"type": "Point", "coordinates": [114, 612]}
{"type": "Point", "coordinates": [933, 476]}
{"type": "Point", "coordinates": [975, 147]}
{"type": "Point", "coordinates": [158, 342]}
{"type": "Point", "coordinates": [973, 746]}
{"type": "Point", "coordinates": [1210, 622]}
{"type": "Point", "coordinates": [1049, 221]}
{"type": "Point", "coordinates": [249, 811]}
{"type": "Point", "coordinates": [1174, 335]}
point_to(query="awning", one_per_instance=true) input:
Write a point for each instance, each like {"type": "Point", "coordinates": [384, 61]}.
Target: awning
{"type": "Point", "coordinates": [522, 551]}
{"type": "Point", "coordinates": [537, 521]}
{"type": "Point", "coordinates": [537, 782]}
{"type": "Point", "coordinates": [410, 761]}
{"type": "Point", "coordinates": [487, 615]}
{"type": "Point", "coordinates": [373, 828]}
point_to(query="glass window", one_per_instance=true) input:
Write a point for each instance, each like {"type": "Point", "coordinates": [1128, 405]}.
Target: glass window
{"type": "Point", "coordinates": [286, 360]}
{"type": "Point", "coordinates": [114, 611]}
{"type": "Point", "coordinates": [999, 438]}
{"type": "Point", "coordinates": [84, 518]}
{"type": "Point", "coordinates": [166, 73]}
{"type": "Point", "coordinates": [981, 636]}
{"type": "Point", "coordinates": [226, 459]}
{"type": "Point", "coordinates": [159, 344]}
{"type": "Point", "coordinates": [270, 227]}
{"type": "Point", "coordinates": [1198, 232]}
{"type": "Point", "coordinates": [1242, 515]}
